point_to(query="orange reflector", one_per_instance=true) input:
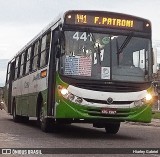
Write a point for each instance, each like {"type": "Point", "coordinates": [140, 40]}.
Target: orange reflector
{"type": "Point", "coordinates": [43, 73]}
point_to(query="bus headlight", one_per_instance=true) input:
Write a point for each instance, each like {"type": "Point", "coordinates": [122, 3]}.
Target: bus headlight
{"type": "Point", "coordinates": [67, 95]}
{"type": "Point", "coordinates": [148, 97]}
{"type": "Point", "coordinates": [64, 91]}
{"type": "Point", "coordinates": [143, 101]}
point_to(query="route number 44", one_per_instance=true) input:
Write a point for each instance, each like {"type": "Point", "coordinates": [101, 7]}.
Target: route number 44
{"type": "Point", "coordinates": [84, 36]}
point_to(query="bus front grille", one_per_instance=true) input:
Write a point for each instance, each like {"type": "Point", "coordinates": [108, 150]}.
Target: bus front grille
{"type": "Point", "coordinates": [105, 102]}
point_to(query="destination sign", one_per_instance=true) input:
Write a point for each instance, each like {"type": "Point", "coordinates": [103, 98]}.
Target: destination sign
{"type": "Point", "coordinates": [107, 20]}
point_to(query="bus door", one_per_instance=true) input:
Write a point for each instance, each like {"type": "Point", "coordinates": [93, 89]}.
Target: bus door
{"type": "Point", "coordinates": [52, 74]}
{"type": "Point", "coordinates": [9, 91]}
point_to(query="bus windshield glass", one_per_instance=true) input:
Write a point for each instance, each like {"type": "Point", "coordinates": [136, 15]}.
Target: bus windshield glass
{"type": "Point", "coordinates": [105, 56]}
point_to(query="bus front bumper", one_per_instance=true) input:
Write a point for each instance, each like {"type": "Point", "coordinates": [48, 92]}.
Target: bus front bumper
{"type": "Point", "coordinates": [75, 112]}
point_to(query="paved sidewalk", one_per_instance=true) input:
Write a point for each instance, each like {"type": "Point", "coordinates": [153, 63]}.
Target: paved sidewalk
{"type": "Point", "coordinates": [154, 122]}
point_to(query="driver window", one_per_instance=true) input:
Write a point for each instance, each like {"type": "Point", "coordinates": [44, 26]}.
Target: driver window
{"type": "Point", "coordinates": [139, 59]}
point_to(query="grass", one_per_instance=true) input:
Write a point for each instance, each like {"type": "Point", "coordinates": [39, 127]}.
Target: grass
{"type": "Point", "coordinates": [156, 115]}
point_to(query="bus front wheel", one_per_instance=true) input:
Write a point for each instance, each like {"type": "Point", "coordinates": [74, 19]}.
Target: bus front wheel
{"type": "Point", "coordinates": [45, 123]}
{"type": "Point", "coordinates": [112, 128]}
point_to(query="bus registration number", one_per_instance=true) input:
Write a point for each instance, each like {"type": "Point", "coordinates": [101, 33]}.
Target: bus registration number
{"type": "Point", "coordinates": [108, 111]}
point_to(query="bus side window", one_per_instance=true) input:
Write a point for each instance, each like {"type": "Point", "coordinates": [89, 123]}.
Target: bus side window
{"type": "Point", "coordinates": [34, 59]}
{"type": "Point", "coordinates": [28, 57]}
{"type": "Point", "coordinates": [45, 44]}
{"type": "Point", "coordinates": [48, 46]}
{"type": "Point", "coordinates": [8, 73]}
{"type": "Point", "coordinates": [16, 68]}
{"type": "Point", "coordinates": [19, 62]}
{"type": "Point", "coordinates": [25, 60]}
{"type": "Point", "coordinates": [22, 64]}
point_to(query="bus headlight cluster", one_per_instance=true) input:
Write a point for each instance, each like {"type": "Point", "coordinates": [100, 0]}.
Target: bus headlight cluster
{"type": "Point", "coordinates": [78, 100]}
{"type": "Point", "coordinates": [67, 95]}
{"type": "Point", "coordinates": [139, 102]}
{"type": "Point", "coordinates": [147, 99]}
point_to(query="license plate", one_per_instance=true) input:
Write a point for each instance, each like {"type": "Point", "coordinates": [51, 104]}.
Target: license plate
{"type": "Point", "coordinates": [108, 111]}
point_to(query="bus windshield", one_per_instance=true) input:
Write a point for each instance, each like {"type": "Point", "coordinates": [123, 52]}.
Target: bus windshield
{"type": "Point", "coordinates": [105, 56]}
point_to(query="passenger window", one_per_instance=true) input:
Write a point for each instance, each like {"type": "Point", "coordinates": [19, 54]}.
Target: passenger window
{"type": "Point", "coordinates": [19, 62]}
{"type": "Point", "coordinates": [16, 69]}
{"type": "Point", "coordinates": [45, 45]}
{"type": "Point", "coordinates": [28, 56]}
{"type": "Point", "coordinates": [8, 73]}
{"type": "Point", "coordinates": [35, 56]}
{"type": "Point", "coordinates": [22, 64]}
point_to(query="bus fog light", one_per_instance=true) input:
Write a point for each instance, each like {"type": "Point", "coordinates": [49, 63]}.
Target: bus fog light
{"type": "Point", "coordinates": [78, 100]}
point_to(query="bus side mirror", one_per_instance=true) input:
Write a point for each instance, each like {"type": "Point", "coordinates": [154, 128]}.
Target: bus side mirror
{"type": "Point", "coordinates": [56, 40]}
{"type": "Point", "coordinates": [58, 51]}
{"type": "Point", "coordinates": [59, 43]}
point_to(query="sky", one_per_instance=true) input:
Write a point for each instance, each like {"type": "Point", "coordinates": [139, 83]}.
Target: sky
{"type": "Point", "coordinates": [21, 20]}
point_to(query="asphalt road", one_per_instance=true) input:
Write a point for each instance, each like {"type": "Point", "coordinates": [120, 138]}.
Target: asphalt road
{"type": "Point", "coordinates": [29, 135]}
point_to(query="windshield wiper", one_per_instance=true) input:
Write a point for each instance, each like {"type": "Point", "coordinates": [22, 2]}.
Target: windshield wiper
{"type": "Point", "coordinates": [99, 54]}
{"type": "Point", "coordinates": [125, 43]}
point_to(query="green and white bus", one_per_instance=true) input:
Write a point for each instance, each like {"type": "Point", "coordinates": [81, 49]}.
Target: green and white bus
{"type": "Point", "coordinates": [85, 67]}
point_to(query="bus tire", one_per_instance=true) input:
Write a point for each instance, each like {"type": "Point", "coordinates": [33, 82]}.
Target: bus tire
{"type": "Point", "coordinates": [112, 128]}
{"type": "Point", "coordinates": [24, 119]}
{"type": "Point", "coordinates": [45, 123]}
